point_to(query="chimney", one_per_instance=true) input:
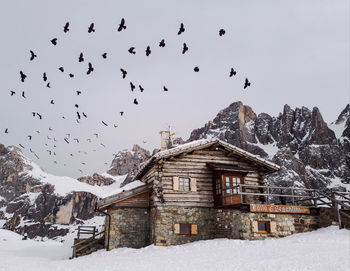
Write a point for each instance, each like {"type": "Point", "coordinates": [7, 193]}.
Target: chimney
{"type": "Point", "coordinates": [164, 140]}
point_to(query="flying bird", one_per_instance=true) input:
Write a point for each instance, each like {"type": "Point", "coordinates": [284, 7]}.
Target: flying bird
{"type": "Point", "coordinates": [6, 131]}
{"type": "Point", "coordinates": [30, 137]}
{"type": "Point", "coordinates": [132, 50]}
{"type": "Point", "coordinates": [21, 146]}
{"type": "Point", "coordinates": [132, 86]}
{"type": "Point", "coordinates": [23, 76]}
{"type": "Point", "coordinates": [135, 101]}
{"type": "Point", "coordinates": [222, 32]}
{"type": "Point", "coordinates": [44, 77]}
{"type": "Point", "coordinates": [65, 139]}
{"type": "Point", "coordinates": [121, 113]}
{"type": "Point", "coordinates": [71, 75]}
{"type": "Point", "coordinates": [88, 139]}
{"type": "Point", "coordinates": [76, 139]}
{"type": "Point", "coordinates": [61, 69]}
{"type": "Point", "coordinates": [81, 57]}
{"type": "Point", "coordinates": [96, 135]}
{"type": "Point", "coordinates": [103, 145]}
{"type": "Point", "coordinates": [148, 51]}
{"type": "Point", "coordinates": [124, 72]}
{"type": "Point", "coordinates": [196, 69]}
{"type": "Point", "coordinates": [184, 49]}
{"type": "Point", "coordinates": [78, 115]}
{"type": "Point", "coordinates": [104, 55]}
{"type": "Point", "coordinates": [78, 92]}
{"type": "Point", "coordinates": [141, 88]}
{"type": "Point", "coordinates": [122, 25]}
{"type": "Point", "coordinates": [66, 27]}
{"type": "Point", "coordinates": [48, 85]}
{"type": "Point", "coordinates": [246, 83]}
{"type": "Point", "coordinates": [32, 55]}
{"type": "Point", "coordinates": [23, 95]}
{"type": "Point", "coordinates": [39, 115]}
{"type": "Point", "coordinates": [91, 69]}
{"type": "Point", "coordinates": [54, 41]}
{"type": "Point", "coordinates": [76, 105]}
{"type": "Point", "coordinates": [232, 72]}
{"type": "Point", "coordinates": [115, 126]}
{"type": "Point", "coordinates": [104, 123]}
{"type": "Point", "coordinates": [12, 92]}
{"type": "Point", "coordinates": [91, 28]}
{"type": "Point", "coordinates": [52, 102]}
{"type": "Point", "coordinates": [182, 29]}
{"type": "Point", "coordinates": [84, 115]}
{"type": "Point", "coordinates": [162, 43]}
{"type": "Point", "coordinates": [165, 88]}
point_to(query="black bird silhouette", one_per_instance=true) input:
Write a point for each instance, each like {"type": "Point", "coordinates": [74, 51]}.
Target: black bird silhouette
{"type": "Point", "coordinates": [31, 150]}
{"type": "Point", "coordinates": [52, 102]}
{"type": "Point", "coordinates": [12, 92]}
{"type": "Point", "coordinates": [121, 113]}
{"type": "Point", "coordinates": [23, 76]}
{"type": "Point", "coordinates": [38, 132]}
{"type": "Point", "coordinates": [76, 139]}
{"type": "Point", "coordinates": [48, 85]}
{"type": "Point", "coordinates": [91, 69]}
{"type": "Point", "coordinates": [39, 115]}
{"type": "Point", "coordinates": [115, 126]}
{"type": "Point", "coordinates": [88, 139]}
{"type": "Point", "coordinates": [71, 75]}
{"type": "Point", "coordinates": [44, 77]}
{"type": "Point", "coordinates": [122, 25]}
{"type": "Point", "coordinates": [124, 72]}
{"type": "Point", "coordinates": [76, 105]}
{"type": "Point", "coordinates": [96, 135]}
{"type": "Point", "coordinates": [33, 114]}
{"type": "Point", "coordinates": [148, 51]}
{"type": "Point", "coordinates": [246, 83]}
{"type": "Point", "coordinates": [103, 145]}
{"type": "Point", "coordinates": [6, 131]}
{"type": "Point", "coordinates": [84, 115]}
{"type": "Point", "coordinates": [104, 55]}
{"type": "Point", "coordinates": [54, 41]}
{"type": "Point", "coordinates": [135, 101]}
{"type": "Point", "coordinates": [104, 123]}
{"type": "Point", "coordinates": [78, 92]}
{"type": "Point", "coordinates": [36, 156]}
{"type": "Point", "coordinates": [65, 139]}
{"type": "Point", "coordinates": [91, 28]}
{"type": "Point", "coordinates": [49, 152]}
{"type": "Point", "coordinates": [132, 86]}
{"type": "Point", "coordinates": [30, 137]}
{"type": "Point", "coordinates": [232, 72]}
{"type": "Point", "coordinates": [61, 69]}
{"type": "Point", "coordinates": [162, 43]}
{"type": "Point", "coordinates": [50, 129]}
{"type": "Point", "coordinates": [182, 29]}
{"type": "Point", "coordinates": [66, 27]}
{"type": "Point", "coordinates": [222, 32]}
{"type": "Point", "coordinates": [83, 163]}
{"type": "Point", "coordinates": [21, 146]}
{"type": "Point", "coordinates": [196, 69]}
{"type": "Point", "coordinates": [32, 55]}
{"type": "Point", "coordinates": [78, 115]}
{"type": "Point", "coordinates": [185, 48]}
{"type": "Point", "coordinates": [81, 57]}
{"type": "Point", "coordinates": [141, 88]}
{"type": "Point", "coordinates": [23, 95]}
{"type": "Point", "coordinates": [132, 50]}
{"type": "Point", "coordinates": [165, 88]}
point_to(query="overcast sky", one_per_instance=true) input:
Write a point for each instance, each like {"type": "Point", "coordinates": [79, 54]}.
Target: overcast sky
{"type": "Point", "coordinates": [293, 52]}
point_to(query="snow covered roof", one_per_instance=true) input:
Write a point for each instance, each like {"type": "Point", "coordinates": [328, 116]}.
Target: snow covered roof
{"type": "Point", "coordinates": [201, 144]}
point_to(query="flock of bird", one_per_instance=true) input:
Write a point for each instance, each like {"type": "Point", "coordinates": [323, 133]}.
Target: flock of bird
{"type": "Point", "coordinates": [51, 151]}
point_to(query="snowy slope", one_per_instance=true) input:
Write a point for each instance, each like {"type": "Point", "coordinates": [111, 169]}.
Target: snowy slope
{"type": "Point", "coordinates": [324, 249]}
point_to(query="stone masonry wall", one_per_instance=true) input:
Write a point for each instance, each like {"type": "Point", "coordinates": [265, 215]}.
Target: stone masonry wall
{"type": "Point", "coordinates": [239, 224]}
{"type": "Point", "coordinates": [165, 218]}
{"type": "Point", "coordinates": [130, 227]}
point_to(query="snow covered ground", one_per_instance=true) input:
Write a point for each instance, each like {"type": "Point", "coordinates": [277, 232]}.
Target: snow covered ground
{"type": "Point", "coordinates": [324, 249]}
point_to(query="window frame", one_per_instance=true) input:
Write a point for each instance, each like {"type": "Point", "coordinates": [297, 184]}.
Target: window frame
{"type": "Point", "coordinates": [189, 228]}
{"type": "Point", "coordinates": [267, 226]}
{"type": "Point", "coordinates": [182, 187]}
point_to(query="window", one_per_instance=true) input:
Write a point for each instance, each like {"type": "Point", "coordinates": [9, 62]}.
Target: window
{"type": "Point", "coordinates": [186, 229]}
{"type": "Point", "coordinates": [263, 226]}
{"type": "Point", "coordinates": [218, 186]}
{"type": "Point", "coordinates": [184, 184]}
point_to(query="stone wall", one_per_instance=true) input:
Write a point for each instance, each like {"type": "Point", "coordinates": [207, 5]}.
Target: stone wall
{"type": "Point", "coordinates": [238, 224]}
{"type": "Point", "coordinates": [164, 220]}
{"type": "Point", "coordinates": [130, 227]}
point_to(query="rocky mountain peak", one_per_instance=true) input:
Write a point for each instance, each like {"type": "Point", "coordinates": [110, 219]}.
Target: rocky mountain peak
{"type": "Point", "coordinates": [344, 115]}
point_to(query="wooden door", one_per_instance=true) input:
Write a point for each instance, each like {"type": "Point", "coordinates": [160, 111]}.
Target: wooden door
{"type": "Point", "coordinates": [230, 193]}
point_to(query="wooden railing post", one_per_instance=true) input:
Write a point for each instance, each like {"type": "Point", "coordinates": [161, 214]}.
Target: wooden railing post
{"type": "Point", "coordinates": [315, 198]}
{"type": "Point", "coordinates": [240, 193]}
{"type": "Point", "coordinates": [268, 195]}
{"type": "Point", "coordinates": [336, 206]}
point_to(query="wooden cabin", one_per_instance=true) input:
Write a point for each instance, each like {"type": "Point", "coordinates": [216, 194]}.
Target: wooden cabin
{"type": "Point", "coordinates": [201, 190]}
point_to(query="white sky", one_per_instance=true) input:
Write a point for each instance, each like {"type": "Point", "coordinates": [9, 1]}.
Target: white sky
{"type": "Point", "coordinates": [293, 52]}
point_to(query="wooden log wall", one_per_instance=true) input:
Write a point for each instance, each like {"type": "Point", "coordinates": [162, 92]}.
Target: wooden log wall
{"type": "Point", "coordinates": [193, 165]}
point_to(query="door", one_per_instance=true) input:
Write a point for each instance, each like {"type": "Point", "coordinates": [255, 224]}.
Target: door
{"type": "Point", "coordinates": [231, 194]}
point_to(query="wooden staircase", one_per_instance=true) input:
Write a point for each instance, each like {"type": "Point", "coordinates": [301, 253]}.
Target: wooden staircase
{"type": "Point", "coordinates": [88, 240]}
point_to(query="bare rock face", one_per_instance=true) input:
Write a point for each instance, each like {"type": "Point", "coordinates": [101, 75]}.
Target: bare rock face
{"type": "Point", "coordinates": [128, 162]}
{"type": "Point", "coordinates": [96, 179]}
{"type": "Point", "coordinates": [28, 205]}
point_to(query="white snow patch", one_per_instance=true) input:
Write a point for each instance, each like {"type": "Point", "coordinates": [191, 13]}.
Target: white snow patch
{"type": "Point", "coordinates": [338, 129]}
{"type": "Point", "coordinates": [324, 249]}
{"type": "Point", "coordinates": [271, 149]}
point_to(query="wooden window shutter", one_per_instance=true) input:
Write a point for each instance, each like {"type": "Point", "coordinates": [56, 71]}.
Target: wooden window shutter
{"type": "Point", "coordinates": [177, 228]}
{"type": "Point", "coordinates": [193, 184]}
{"type": "Point", "coordinates": [273, 227]}
{"type": "Point", "coordinates": [255, 226]}
{"type": "Point", "coordinates": [175, 183]}
{"type": "Point", "coordinates": [194, 229]}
